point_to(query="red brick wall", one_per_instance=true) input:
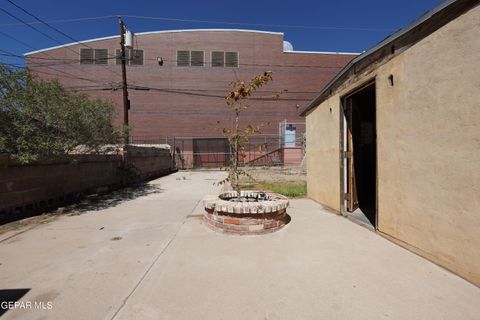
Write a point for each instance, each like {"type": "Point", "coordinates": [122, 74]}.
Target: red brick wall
{"type": "Point", "coordinates": [198, 103]}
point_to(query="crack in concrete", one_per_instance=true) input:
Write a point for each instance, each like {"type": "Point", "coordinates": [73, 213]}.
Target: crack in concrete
{"type": "Point", "coordinates": [125, 300]}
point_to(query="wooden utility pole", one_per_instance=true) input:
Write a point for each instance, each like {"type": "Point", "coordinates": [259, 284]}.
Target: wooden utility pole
{"type": "Point", "coordinates": [126, 102]}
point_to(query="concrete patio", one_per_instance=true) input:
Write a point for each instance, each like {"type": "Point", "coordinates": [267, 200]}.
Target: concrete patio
{"type": "Point", "coordinates": [146, 255]}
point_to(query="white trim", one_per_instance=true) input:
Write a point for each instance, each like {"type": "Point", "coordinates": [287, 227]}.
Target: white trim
{"type": "Point", "coordinates": [152, 32]}
{"type": "Point", "coordinates": [324, 52]}
{"type": "Point", "coordinates": [69, 44]}
{"type": "Point", "coordinates": [207, 30]}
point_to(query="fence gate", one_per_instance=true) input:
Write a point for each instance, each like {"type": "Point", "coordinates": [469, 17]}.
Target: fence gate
{"type": "Point", "coordinates": [210, 152]}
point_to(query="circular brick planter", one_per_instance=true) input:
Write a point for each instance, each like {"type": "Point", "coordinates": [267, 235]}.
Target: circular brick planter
{"type": "Point", "coordinates": [258, 213]}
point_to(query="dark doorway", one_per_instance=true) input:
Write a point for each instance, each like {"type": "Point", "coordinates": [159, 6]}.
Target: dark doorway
{"type": "Point", "coordinates": [360, 114]}
{"type": "Point", "coordinates": [210, 152]}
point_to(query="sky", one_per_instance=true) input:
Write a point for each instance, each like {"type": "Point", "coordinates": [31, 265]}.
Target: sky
{"type": "Point", "coordinates": [334, 25]}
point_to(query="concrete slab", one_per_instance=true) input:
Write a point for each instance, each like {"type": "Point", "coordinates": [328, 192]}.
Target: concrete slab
{"type": "Point", "coordinates": [87, 264]}
{"type": "Point", "coordinates": [167, 265]}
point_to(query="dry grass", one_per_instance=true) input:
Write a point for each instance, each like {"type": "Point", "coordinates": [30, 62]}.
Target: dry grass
{"type": "Point", "coordinates": [288, 181]}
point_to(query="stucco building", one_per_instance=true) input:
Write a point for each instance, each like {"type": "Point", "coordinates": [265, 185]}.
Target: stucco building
{"type": "Point", "coordinates": [396, 135]}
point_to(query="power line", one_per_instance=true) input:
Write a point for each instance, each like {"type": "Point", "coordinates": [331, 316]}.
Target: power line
{"type": "Point", "coordinates": [41, 32]}
{"type": "Point", "coordinates": [257, 24]}
{"type": "Point", "coordinates": [11, 54]}
{"type": "Point", "coordinates": [17, 40]}
{"type": "Point", "coordinates": [48, 25]}
{"type": "Point", "coordinates": [64, 73]}
{"type": "Point", "coordinates": [265, 65]}
{"type": "Point", "coordinates": [189, 93]}
{"type": "Point", "coordinates": [61, 20]}
{"type": "Point", "coordinates": [286, 26]}
{"type": "Point", "coordinates": [25, 23]}
{"type": "Point", "coordinates": [75, 61]}
{"type": "Point", "coordinates": [47, 63]}
{"type": "Point", "coordinates": [29, 46]}
{"type": "Point", "coordinates": [223, 90]}
{"type": "Point", "coordinates": [72, 76]}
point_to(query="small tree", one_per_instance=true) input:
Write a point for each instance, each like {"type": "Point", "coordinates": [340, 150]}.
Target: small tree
{"type": "Point", "coordinates": [237, 136]}
{"type": "Point", "coordinates": [41, 120]}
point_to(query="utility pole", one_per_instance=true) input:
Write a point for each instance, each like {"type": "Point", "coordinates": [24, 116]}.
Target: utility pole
{"type": "Point", "coordinates": [126, 102]}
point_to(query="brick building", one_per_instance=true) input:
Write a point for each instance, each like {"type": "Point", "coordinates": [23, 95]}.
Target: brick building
{"type": "Point", "coordinates": [184, 97]}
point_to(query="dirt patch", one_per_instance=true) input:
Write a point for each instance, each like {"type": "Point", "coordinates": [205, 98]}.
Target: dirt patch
{"type": "Point", "coordinates": [276, 174]}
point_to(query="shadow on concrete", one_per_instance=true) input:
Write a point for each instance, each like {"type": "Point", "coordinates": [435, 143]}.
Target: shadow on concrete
{"type": "Point", "coordinates": [8, 297]}
{"type": "Point", "coordinates": [112, 199]}
{"type": "Point", "coordinates": [288, 219]}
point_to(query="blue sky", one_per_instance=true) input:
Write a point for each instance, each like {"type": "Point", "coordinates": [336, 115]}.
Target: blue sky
{"type": "Point", "coordinates": [341, 25]}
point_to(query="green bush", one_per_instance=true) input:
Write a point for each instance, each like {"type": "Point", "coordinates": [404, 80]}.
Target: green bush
{"type": "Point", "coordinates": [40, 120]}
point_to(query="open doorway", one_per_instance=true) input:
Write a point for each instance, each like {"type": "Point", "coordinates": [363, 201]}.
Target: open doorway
{"type": "Point", "coordinates": [360, 153]}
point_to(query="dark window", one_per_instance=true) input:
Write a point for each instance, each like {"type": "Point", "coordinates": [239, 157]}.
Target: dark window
{"type": "Point", "coordinates": [93, 56]}
{"type": "Point", "coordinates": [196, 58]}
{"type": "Point", "coordinates": [183, 58]}
{"type": "Point", "coordinates": [86, 56]}
{"type": "Point", "coordinates": [218, 59]}
{"type": "Point", "coordinates": [186, 58]}
{"type": "Point", "coordinates": [225, 59]}
{"type": "Point", "coordinates": [118, 56]}
{"type": "Point", "coordinates": [231, 59]}
{"type": "Point", "coordinates": [134, 57]}
{"type": "Point", "coordinates": [101, 56]}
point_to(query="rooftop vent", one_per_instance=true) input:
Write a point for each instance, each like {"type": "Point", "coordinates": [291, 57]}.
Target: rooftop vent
{"type": "Point", "coordinates": [287, 46]}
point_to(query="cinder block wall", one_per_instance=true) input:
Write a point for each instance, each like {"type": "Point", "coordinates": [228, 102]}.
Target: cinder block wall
{"type": "Point", "coordinates": [29, 189]}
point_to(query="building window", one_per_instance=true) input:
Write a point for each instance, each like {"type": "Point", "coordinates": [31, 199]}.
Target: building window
{"type": "Point", "coordinates": [218, 59]}
{"type": "Point", "coordinates": [231, 59]}
{"type": "Point", "coordinates": [186, 58]}
{"type": "Point", "coordinates": [225, 59]}
{"type": "Point", "coordinates": [134, 57]}
{"type": "Point", "coordinates": [183, 58]}
{"type": "Point", "coordinates": [93, 56]}
{"type": "Point", "coordinates": [196, 58]}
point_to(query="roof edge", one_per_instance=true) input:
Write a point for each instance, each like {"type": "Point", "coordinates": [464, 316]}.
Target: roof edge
{"type": "Point", "coordinates": [151, 32]}
{"type": "Point", "coordinates": [388, 40]}
{"type": "Point", "coordinates": [325, 52]}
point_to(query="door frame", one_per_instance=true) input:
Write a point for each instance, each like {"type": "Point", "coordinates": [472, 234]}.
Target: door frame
{"type": "Point", "coordinates": [343, 147]}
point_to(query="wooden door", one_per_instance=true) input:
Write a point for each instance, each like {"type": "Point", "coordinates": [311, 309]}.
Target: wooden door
{"type": "Point", "coordinates": [352, 197]}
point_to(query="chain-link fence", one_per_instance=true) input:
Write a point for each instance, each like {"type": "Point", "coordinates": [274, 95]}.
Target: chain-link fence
{"type": "Point", "coordinates": [286, 148]}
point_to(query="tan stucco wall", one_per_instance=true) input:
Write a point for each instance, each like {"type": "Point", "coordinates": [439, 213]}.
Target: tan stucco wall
{"type": "Point", "coordinates": [428, 146]}
{"type": "Point", "coordinates": [323, 154]}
